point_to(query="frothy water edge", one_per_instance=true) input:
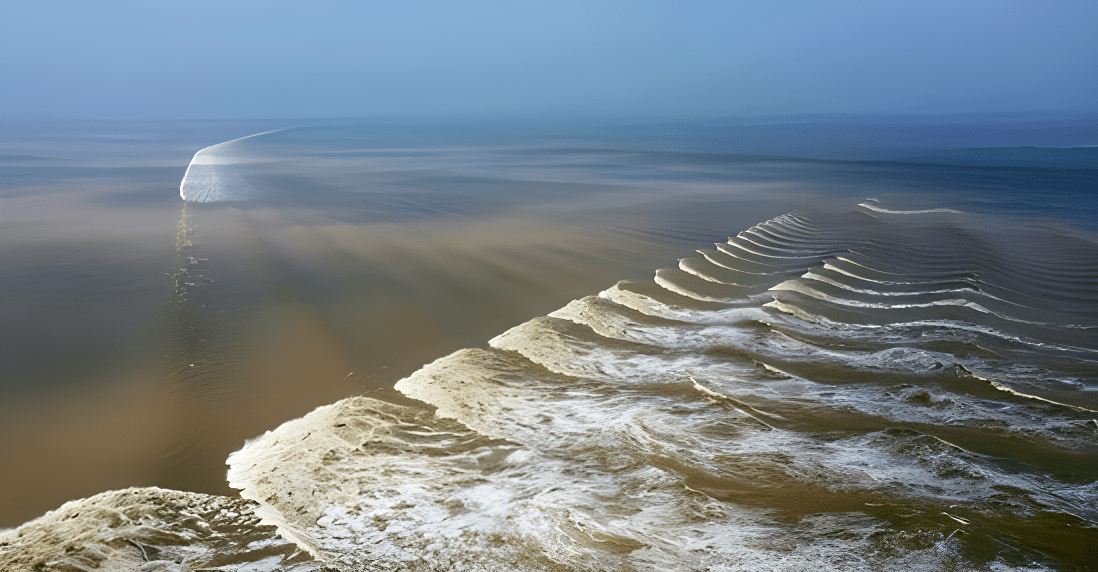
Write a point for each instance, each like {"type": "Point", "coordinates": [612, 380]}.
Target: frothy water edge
{"type": "Point", "coordinates": [711, 420]}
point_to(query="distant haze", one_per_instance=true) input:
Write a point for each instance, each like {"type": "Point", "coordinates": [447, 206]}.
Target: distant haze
{"type": "Point", "coordinates": [209, 60]}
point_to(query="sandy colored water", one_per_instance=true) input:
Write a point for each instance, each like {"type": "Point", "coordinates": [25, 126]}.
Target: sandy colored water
{"type": "Point", "coordinates": [145, 340]}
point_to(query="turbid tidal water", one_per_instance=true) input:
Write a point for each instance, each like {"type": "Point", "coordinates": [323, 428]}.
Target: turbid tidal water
{"type": "Point", "coordinates": [837, 345]}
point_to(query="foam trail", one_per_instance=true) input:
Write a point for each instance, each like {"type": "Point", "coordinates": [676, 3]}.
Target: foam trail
{"type": "Point", "coordinates": [214, 174]}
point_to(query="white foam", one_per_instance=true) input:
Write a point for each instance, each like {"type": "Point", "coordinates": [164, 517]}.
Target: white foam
{"type": "Point", "coordinates": [565, 488]}
{"type": "Point", "coordinates": [151, 529]}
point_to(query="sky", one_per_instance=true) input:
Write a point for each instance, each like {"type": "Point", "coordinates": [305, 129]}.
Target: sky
{"type": "Point", "coordinates": [245, 60]}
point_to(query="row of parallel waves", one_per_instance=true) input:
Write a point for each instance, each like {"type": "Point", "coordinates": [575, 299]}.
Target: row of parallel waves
{"type": "Point", "coordinates": [858, 391]}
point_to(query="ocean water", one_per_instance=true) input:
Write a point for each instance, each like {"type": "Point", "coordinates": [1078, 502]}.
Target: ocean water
{"type": "Point", "coordinates": [426, 346]}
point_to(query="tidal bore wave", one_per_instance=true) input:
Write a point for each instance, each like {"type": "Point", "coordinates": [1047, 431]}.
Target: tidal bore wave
{"type": "Point", "coordinates": [218, 172]}
{"type": "Point", "coordinates": [874, 389]}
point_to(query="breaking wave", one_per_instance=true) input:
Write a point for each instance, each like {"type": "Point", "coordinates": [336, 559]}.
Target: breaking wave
{"type": "Point", "coordinates": [765, 404]}
{"type": "Point", "coordinates": [218, 172]}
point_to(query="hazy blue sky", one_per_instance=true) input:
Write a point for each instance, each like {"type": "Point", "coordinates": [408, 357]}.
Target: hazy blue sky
{"type": "Point", "coordinates": [230, 59]}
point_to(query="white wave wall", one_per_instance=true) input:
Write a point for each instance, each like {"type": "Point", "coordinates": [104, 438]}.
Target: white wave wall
{"type": "Point", "coordinates": [217, 173]}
